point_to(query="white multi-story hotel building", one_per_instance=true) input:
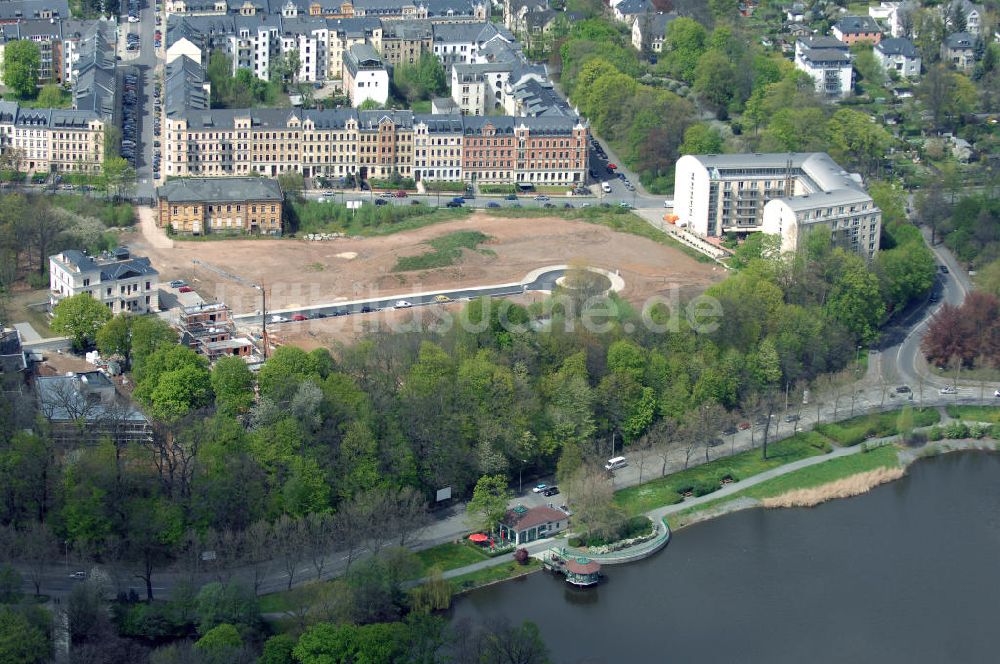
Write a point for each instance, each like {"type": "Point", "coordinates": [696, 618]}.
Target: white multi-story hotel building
{"type": "Point", "coordinates": [115, 278]}
{"type": "Point", "coordinates": [782, 193]}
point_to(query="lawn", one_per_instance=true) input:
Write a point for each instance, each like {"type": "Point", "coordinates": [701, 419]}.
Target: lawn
{"type": "Point", "coordinates": [613, 217]}
{"type": "Point", "coordinates": [445, 250]}
{"type": "Point", "coordinates": [489, 575]}
{"type": "Point", "coordinates": [975, 413]}
{"type": "Point", "coordinates": [877, 425]}
{"type": "Point", "coordinates": [804, 478]}
{"type": "Point", "coordinates": [707, 477]}
{"type": "Point", "coordinates": [448, 556]}
{"type": "Point", "coordinates": [21, 309]}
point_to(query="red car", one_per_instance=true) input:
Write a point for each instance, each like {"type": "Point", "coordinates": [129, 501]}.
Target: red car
{"type": "Point", "coordinates": [612, 167]}
{"type": "Point", "coordinates": [299, 317]}
{"type": "Point", "coordinates": [185, 289]}
{"type": "Point", "coordinates": [400, 194]}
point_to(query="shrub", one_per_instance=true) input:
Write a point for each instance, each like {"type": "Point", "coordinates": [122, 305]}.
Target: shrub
{"type": "Point", "coordinates": [935, 433]}
{"type": "Point", "coordinates": [956, 430]}
{"type": "Point", "coordinates": [521, 556]}
{"type": "Point", "coordinates": [575, 542]}
{"type": "Point", "coordinates": [704, 487]}
{"type": "Point", "coordinates": [978, 430]}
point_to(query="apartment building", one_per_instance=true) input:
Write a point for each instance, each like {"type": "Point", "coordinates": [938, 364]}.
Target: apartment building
{"type": "Point", "coordinates": [49, 140]}
{"type": "Point", "coordinates": [365, 76]}
{"type": "Point", "coordinates": [898, 55]}
{"type": "Point", "coordinates": [385, 144]}
{"type": "Point", "coordinates": [122, 282]}
{"type": "Point", "coordinates": [437, 147]}
{"type": "Point", "coordinates": [342, 34]}
{"type": "Point", "coordinates": [779, 193]}
{"type": "Point", "coordinates": [199, 206]}
{"type": "Point", "coordinates": [501, 149]}
{"type": "Point", "coordinates": [959, 49]}
{"type": "Point", "coordinates": [649, 30]}
{"type": "Point", "coordinates": [853, 29]}
{"type": "Point", "coordinates": [828, 61]}
{"type": "Point", "coordinates": [403, 42]}
{"type": "Point", "coordinates": [13, 11]}
{"type": "Point", "coordinates": [460, 42]}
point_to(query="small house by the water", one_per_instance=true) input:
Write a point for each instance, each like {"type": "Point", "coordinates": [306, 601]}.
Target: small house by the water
{"type": "Point", "coordinates": [582, 572]}
{"type": "Point", "coordinates": [522, 525]}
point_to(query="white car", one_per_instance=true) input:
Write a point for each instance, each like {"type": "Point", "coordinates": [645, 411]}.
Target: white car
{"type": "Point", "coordinates": [538, 488]}
{"type": "Point", "coordinates": [403, 304]}
{"type": "Point", "coordinates": [948, 390]}
{"type": "Point", "coordinates": [278, 319]}
{"type": "Point", "coordinates": [78, 575]}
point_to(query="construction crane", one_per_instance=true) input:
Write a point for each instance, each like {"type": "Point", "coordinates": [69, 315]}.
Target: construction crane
{"type": "Point", "coordinates": [265, 341]}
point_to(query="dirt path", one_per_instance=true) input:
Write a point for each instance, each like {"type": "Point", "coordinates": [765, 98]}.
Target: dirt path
{"type": "Point", "coordinates": [151, 235]}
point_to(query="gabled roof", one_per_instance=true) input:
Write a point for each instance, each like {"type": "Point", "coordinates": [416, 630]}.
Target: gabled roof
{"type": "Point", "coordinates": [633, 7]}
{"type": "Point", "coordinates": [959, 41]}
{"type": "Point", "coordinates": [220, 190]}
{"type": "Point", "coordinates": [897, 46]}
{"type": "Point", "coordinates": [522, 519]}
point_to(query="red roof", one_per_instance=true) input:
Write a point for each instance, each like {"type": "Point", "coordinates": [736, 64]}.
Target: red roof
{"type": "Point", "coordinates": [582, 566]}
{"type": "Point", "coordinates": [535, 516]}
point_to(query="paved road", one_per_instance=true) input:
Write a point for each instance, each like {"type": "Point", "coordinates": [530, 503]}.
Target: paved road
{"type": "Point", "coordinates": [543, 282]}
{"type": "Point", "coordinates": [145, 63]}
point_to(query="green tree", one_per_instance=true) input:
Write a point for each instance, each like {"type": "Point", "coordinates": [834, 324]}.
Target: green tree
{"type": "Point", "coordinates": [115, 336]}
{"type": "Point", "coordinates": [715, 79]}
{"type": "Point", "coordinates": [278, 650]}
{"type": "Point", "coordinates": [420, 80]}
{"type": "Point", "coordinates": [219, 640]}
{"type": "Point", "coordinates": [855, 138]}
{"type": "Point", "coordinates": [232, 382]}
{"type": "Point", "coordinates": [118, 176]}
{"type": "Point", "coordinates": [180, 391]}
{"type": "Point", "coordinates": [489, 502]}
{"type": "Point", "coordinates": [148, 334]}
{"type": "Point", "coordinates": [51, 96]}
{"type": "Point", "coordinates": [80, 317]}
{"type": "Point", "coordinates": [21, 60]}
{"type": "Point", "coordinates": [369, 105]}
{"type": "Point", "coordinates": [701, 138]}
{"type": "Point", "coordinates": [352, 644]}
{"type": "Point", "coordinates": [506, 644]}
{"type": "Point", "coordinates": [230, 603]}
{"type": "Point", "coordinates": [856, 302]}
{"type": "Point", "coordinates": [21, 640]}
{"type": "Point", "coordinates": [10, 585]}
{"type": "Point", "coordinates": [869, 67]}
{"type": "Point", "coordinates": [684, 43]}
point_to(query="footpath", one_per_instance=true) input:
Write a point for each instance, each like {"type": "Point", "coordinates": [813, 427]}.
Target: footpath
{"type": "Point", "coordinates": [657, 515]}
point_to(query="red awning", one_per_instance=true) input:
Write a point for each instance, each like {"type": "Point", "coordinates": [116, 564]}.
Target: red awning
{"type": "Point", "coordinates": [478, 537]}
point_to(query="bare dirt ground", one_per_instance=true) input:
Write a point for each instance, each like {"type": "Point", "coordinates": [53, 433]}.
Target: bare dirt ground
{"type": "Point", "coordinates": [301, 273]}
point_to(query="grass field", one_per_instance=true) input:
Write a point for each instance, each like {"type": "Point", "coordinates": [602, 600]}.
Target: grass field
{"type": "Point", "coordinates": [857, 429]}
{"type": "Point", "coordinates": [445, 251]}
{"type": "Point", "coordinates": [369, 220]}
{"type": "Point", "coordinates": [975, 413]}
{"type": "Point", "coordinates": [489, 575]}
{"type": "Point", "coordinates": [822, 473]}
{"type": "Point", "coordinates": [448, 556]}
{"type": "Point", "coordinates": [665, 490]}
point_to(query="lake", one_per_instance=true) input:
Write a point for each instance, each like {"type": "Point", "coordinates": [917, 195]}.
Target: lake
{"type": "Point", "coordinates": [909, 572]}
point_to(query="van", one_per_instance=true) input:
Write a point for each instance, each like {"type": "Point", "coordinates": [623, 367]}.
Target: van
{"type": "Point", "coordinates": [615, 463]}
{"type": "Point", "coordinates": [606, 187]}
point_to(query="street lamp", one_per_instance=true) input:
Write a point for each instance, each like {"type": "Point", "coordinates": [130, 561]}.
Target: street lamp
{"type": "Point", "coordinates": [857, 360]}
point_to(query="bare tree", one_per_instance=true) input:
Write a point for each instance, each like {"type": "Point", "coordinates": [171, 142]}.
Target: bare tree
{"type": "Point", "coordinates": [290, 538]}
{"type": "Point", "coordinates": [640, 451]}
{"type": "Point", "coordinates": [663, 438]}
{"type": "Point", "coordinates": [258, 550]}
{"type": "Point", "coordinates": [37, 547]}
{"type": "Point", "coordinates": [593, 501]}
{"type": "Point", "coordinates": [319, 539]}
{"type": "Point", "coordinates": [350, 529]}
{"type": "Point", "coordinates": [408, 515]}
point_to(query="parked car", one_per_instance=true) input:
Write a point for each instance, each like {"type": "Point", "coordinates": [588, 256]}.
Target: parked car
{"type": "Point", "coordinates": [453, 204]}
{"type": "Point", "coordinates": [442, 298]}
{"type": "Point", "coordinates": [492, 204]}
{"type": "Point", "coordinates": [381, 201]}
{"type": "Point", "coordinates": [78, 575]}
{"type": "Point", "coordinates": [541, 197]}
{"type": "Point", "coordinates": [743, 426]}
{"type": "Point", "coordinates": [551, 491]}
{"type": "Point", "coordinates": [400, 194]}
{"type": "Point", "coordinates": [539, 488]}
{"type": "Point", "coordinates": [944, 269]}
{"type": "Point", "coordinates": [299, 317]}
{"type": "Point", "coordinates": [510, 197]}
{"type": "Point", "coordinates": [792, 418]}
{"type": "Point", "coordinates": [366, 309]}
{"type": "Point", "coordinates": [403, 304]}
{"type": "Point", "coordinates": [948, 389]}
{"type": "Point", "coordinates": [278, 319]}
{"type": "Point", "coordinates": [185, 289]}
{"type": "Point", "coordinates": [903, 389]}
